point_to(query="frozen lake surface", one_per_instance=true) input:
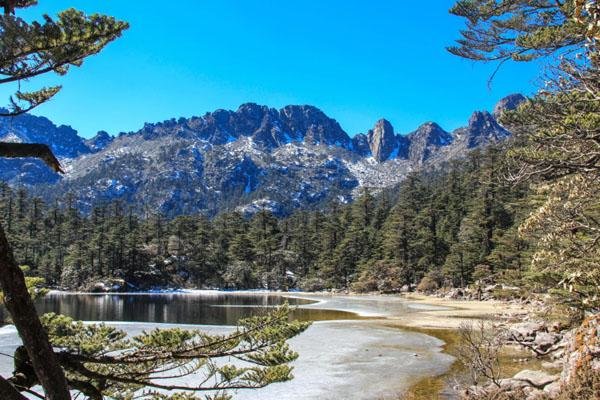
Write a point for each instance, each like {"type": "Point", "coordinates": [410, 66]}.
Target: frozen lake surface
{"type": "Point", "coordinates": [339, 359]}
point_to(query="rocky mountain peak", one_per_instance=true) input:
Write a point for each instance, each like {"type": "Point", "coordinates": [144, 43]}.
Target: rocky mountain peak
{"type": "Point", "coordinates": [382, 140]}
{"type": "Point", "coordinates": [227, 159]}
{"type": "Point", "coordinates": [251, 110]}
{"type": "Point", "coordinates": [100, 141]}
{"type": "Point", "coordinates": [425, 140]}
{"type": "Point", "coordinates": [313, 126]}
{"type": "Point", "coordinates": [510, 102]}
{"type": "Point", "coordinates": [481, 119]}
{"type": "Point", "coordinates": [27, 128]}
{"type": "Point", "coordinates": [482, 130]}
{"type": "Point", "coordinates": [433, 133]}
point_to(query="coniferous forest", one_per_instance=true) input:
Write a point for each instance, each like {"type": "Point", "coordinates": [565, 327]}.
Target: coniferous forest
{"type": "Point", "coordinates": [446, 227]}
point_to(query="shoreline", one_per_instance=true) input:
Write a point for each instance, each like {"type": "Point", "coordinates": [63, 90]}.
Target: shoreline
{"type": "Point", "coordinates": [441, 319]}
{"type": "Point", "coordinates": [444, 325]}
{"type": "Point", "coordinates": [419, 311]}
{"type": "Point", "coordinates": [458, 311]}
{"type": "Point", "coordinates": [438, 318]}
{"type": "Point", "coordinates": [380, 362]}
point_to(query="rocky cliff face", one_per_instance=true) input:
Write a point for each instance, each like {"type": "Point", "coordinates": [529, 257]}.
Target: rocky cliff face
{"type": "Point", "coordinates": [381, 140]}
{"type": "Point", "coordinates": [64, 140]}
{"type": "Point", "coordinates": [254, 157]}
{"type": "Point", "coordinates": [99, 142]}
{"type": "Point", "coordinates": [267, 127]}
{"type": "Point", "coordinates": [481, 130]}
{"type": "Point", "coordinates": [425, 141]}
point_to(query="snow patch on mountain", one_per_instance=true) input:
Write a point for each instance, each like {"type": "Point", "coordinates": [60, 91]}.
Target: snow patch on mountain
{"type": "Point", "coordinates": [250, 159]}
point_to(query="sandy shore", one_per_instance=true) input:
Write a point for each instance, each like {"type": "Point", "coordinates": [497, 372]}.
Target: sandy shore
{"type": "Point", "coordinates": [415, 310]}
{"type": "Point", "coordinates": [432, 316]}
{"type": "Point", "coordinates": [457, 311]}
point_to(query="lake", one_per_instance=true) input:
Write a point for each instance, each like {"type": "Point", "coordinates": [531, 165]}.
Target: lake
{"type": "Point", "coordinates": [196, 308]}
{"type": "Point", "coordinates": [349, 353]}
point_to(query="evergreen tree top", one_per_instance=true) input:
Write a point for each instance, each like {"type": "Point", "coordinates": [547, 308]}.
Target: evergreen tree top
{"type": "Point", "coordinates": [521, 30]}
{"type": "Point", "coordinates": [52, 45]}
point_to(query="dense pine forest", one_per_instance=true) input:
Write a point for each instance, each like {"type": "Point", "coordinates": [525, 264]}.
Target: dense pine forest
{"type": "Point", "coordinates": [443, 228]}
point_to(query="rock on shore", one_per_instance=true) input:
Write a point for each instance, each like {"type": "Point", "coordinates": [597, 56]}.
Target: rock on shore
{"type": "Point", "coordinates": [573, 351]}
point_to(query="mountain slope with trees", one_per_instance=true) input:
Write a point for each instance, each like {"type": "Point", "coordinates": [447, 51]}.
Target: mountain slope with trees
{"type": "Point", "coordinates": [445, 224]}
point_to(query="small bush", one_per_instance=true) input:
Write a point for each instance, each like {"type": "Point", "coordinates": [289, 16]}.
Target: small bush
{"type": "Point", "coordinates": [479, 351]}
{"type": "Point", "coordinates": [483, 274]}
{"type": "Point", "coordinates": [494, 394]}
{"type": "Point", "coordinates": [312, 284]}
{"type": "Point", "coordinates": [510, 294]}
{"type": "Point", "coordinates": [427, 285]}
{"type": "Point", "coordinates": [381, 277]}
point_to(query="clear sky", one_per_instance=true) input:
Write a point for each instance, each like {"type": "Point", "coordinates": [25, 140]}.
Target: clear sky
{"type": "Point", "coordinates": [357, 60]}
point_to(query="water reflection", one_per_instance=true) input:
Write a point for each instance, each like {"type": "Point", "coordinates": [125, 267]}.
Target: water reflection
{"type": "Point", "coordinates": [208, 309]}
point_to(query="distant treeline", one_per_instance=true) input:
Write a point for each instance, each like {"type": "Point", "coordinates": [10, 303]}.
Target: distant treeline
{"type": "Point", "coordinates": [446, 227]}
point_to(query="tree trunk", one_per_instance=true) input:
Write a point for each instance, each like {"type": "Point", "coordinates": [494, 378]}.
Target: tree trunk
{"type": "Point", "coordinates": [24, 316]}
{"type": "Point", "coordinates": [9, 392]}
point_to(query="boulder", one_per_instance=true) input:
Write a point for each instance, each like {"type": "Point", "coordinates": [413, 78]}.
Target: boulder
{"type": "Point", "coordinates": [491, 288]}
{"type": "Point", "coordinates": [556, 364]}
{"type": "Point", "coordinates": [532, 393]}
{"type": "Point", "coordinates": [552, 389]}
{"type": "Point", "coordinates": [511, 384]}
{"type": "Point", "coordinates": [584, 348]}
{"type": "Point", "coordinates": [545, 340]}
{"type": "Point", "coordinates": [527, 330]}
{"type": "Point", "coordinates": [455, 294]}
{"type": "Point", "coordinates": [537, 379]}
{"type": "Point", "coordinates": [113, 285]}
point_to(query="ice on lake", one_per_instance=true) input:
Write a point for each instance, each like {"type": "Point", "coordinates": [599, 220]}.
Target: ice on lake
{"type": "Point", "coordinates": [354, 360]}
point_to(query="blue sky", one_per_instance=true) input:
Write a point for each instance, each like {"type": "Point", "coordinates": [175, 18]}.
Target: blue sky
{"type": "Point", "coordinates": [356, 60]}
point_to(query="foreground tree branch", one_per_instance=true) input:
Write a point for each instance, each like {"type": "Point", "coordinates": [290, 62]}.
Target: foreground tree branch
{"type": "Point", "coordinates": [9, 392]}
{"type": "Point", "coordinates": [27, 50]}
{"type": "Point", "coordinates": [35, 150]}
{"type": "Point", "coordinates": [103, 361]}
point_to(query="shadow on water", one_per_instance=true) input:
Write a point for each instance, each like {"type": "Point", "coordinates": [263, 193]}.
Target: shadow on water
{"type": "Point", "coordinates": [181, 308]}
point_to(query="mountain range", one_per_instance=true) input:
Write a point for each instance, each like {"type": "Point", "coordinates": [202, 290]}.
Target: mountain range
{"type": "Point", "coordinates": [253, 158]}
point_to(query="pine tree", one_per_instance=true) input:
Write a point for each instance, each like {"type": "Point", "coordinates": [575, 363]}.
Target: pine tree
{"type": "Point", "coordinates": [202, 268]}
{"type": "Point", "coordinates": [502, 30]}
{"type": "Point", "coordinates": [266, 237]}
{"type": "Point", "coordinates": [28, 50]}
{"type": "Point", "coordinates": [555, 133]}
{"type": "Point", "coordinates": [302, 241]}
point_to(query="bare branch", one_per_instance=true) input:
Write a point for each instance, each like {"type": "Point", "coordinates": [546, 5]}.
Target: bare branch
{"type": "Point", "coordinates": [35, 150]}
